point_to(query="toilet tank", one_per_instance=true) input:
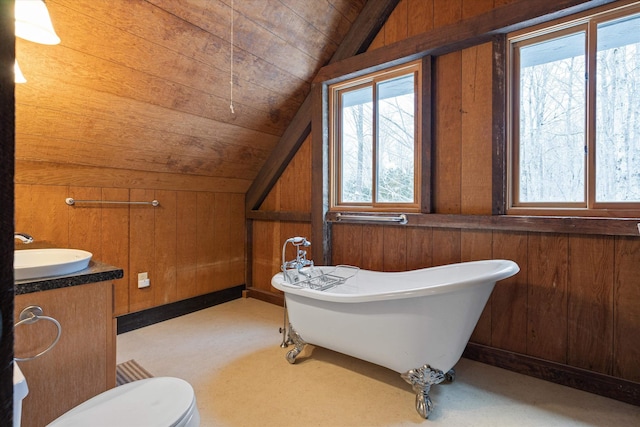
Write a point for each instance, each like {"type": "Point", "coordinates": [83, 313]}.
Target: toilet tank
{"type": "Point", "coordinates": [20, 391]}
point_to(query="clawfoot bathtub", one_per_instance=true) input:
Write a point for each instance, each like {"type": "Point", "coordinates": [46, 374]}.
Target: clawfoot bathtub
{"type": "Point", "coordinates": [416, 323]}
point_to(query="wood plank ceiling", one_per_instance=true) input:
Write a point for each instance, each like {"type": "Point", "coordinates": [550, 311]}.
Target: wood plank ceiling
{"type": "Point", "coordinates": [143, 85]}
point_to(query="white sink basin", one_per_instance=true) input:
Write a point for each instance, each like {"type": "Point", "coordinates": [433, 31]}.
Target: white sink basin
{"type": "Point", "coordinates": [37, 263]}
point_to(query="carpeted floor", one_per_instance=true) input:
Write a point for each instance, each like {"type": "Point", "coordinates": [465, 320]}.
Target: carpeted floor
{"type": "Point", "coordinates": [231, 355]}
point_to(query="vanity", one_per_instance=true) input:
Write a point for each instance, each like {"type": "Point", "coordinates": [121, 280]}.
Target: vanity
{"type": "Point", "coordinates": [82, 363]}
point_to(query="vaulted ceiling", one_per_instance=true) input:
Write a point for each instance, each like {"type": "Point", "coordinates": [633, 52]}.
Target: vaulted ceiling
{"type": "Point", "coordinates": [144, 85]}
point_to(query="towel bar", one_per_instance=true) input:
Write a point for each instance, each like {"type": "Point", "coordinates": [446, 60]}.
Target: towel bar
{"type": "Point", "coordinates": [71, 201]}
{"type": "Point", "coordinates": [402, 218]}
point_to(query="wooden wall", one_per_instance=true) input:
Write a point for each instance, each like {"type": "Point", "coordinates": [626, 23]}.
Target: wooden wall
{"type": "Point", "coordinates": [575, 300]}
{"type": "Point", "coordinates": [134, 104]}
{"type": "Point", "coordinates": [292, 193]}
{"type": "Point", "coordinates": [128, 107]}
{"type": "Point", "coordinates": [192, 244]}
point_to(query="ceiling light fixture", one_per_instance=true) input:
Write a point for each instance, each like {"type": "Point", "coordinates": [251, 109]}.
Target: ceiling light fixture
{"type": "Point", "coordinates": [19, 77]}
{"type": "Point", "coordinates": [33, 22]}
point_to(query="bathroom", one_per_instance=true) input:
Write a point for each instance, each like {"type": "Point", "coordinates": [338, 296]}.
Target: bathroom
{"type": "Point", "coordinates": [133, 105]}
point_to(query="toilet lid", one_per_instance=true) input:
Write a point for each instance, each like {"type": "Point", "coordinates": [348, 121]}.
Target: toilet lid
{"type": "Point", "coordinates": [162, 402]}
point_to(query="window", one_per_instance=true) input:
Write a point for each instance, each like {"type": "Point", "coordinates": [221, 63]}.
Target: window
{"type": "Point", "coordinates": [375, 141]}
{"type": "Point", "coordinates": [575, 116]}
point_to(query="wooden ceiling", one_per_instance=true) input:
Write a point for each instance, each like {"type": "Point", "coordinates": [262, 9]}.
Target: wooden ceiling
{"type": "Point", "coordinates": [144, 85]}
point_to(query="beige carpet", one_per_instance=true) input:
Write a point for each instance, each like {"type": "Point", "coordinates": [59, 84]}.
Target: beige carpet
{"type": "Point", "coordinates": [231, 355]}
{"type": "Point", "coordinates": [129, 371]}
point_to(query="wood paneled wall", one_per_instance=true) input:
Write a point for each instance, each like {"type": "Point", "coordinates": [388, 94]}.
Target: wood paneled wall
{"type": "Point", "coordinates": [133, 104]}
{"type": "Point", "coordinates": [192, 244]}
{"type": "Point", "coordinates": [292, 193]}
{"type": "Point", "coordinates": [576, 300]}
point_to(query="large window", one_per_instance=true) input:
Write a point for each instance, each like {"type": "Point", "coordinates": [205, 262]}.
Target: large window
{"type": "Point", "coordinates": [575, 116]}
{"type": "Point", "coordinates": [375, 141]}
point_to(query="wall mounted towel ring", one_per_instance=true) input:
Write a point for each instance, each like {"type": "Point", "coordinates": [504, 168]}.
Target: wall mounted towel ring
{"type": "Point", "coordinates": [32, 314]}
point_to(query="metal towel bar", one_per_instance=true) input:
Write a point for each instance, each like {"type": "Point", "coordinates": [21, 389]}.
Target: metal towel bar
{"type": "Point", "coordinates": [71, 201]}
{"type": "Point", "coordinates": [402, 218]}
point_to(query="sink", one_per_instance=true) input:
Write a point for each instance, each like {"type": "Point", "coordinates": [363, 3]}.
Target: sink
{"type": "Point", "coordinates": [38, 263]}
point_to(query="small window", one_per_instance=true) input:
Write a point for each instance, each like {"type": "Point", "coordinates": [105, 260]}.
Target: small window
{"type": "Point", "coordinates": [575, 116]}
{"type": "Point", "coordinates": [375, 141]}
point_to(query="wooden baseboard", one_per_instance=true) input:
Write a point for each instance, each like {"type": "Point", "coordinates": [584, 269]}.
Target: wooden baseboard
{"type": "Point", "coordinates": [132, 321]}
{"type": "Point", "coordinates": [266, 296]}
{"type": "Point", "coordinates": [582, 379]}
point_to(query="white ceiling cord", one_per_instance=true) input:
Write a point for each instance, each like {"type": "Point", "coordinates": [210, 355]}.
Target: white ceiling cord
{"type": "Point", "coordinates": [231, 64]}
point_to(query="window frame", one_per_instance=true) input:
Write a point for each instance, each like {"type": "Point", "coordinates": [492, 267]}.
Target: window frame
{"type": "Point", "coordinates": [586, 22]}
{"type": "Point", "coordinates": [417, 67]}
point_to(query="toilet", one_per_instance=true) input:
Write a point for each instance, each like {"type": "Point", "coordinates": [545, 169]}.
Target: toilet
{"type": "Point", "coordinates": [160, 401]}
{"type": "Point", "coordinates": [20, 391]}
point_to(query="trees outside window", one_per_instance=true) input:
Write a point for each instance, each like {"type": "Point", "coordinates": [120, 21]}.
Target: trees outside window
{"type": "Point", "coordinates": [375, 143]}
{"type": "Point", "coordinates": [575, 128]}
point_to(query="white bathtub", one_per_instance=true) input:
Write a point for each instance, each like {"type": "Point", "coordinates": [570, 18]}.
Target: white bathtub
{"type": "Point", "coordinates": [416, 322]}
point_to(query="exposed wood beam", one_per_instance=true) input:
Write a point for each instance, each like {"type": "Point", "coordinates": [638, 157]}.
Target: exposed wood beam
{"type": "Point", "coordinates": [361, 34]}
{"type": "Point", "coordinates": [499, 126]}
{"type": "Point", "coordinates": [258, 215]}
{"type": "Point", "coordinates": [470, 32]}
{"type": "Point", "coordinates": [320, 229]}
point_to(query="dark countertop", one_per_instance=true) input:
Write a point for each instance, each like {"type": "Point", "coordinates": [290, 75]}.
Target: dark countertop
{"type": "Point", "coordinates": [96, 272]}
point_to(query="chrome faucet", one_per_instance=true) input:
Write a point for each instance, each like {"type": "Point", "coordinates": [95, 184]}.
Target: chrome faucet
{"type": "Point", "coordinates": [23, 237]}
{"type": "Point", "coordinates": [301, 260]}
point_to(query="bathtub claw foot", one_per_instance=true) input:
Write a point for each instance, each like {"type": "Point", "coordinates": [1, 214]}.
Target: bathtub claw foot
{"type": "Point", "coordinates": [421, 379]}
{"type": "Point", "coordinates": [297, 342]}
{"type": "Point", "coordinates": [450, 376]}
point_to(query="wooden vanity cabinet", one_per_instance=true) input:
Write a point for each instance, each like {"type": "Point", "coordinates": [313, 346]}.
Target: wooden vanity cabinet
{"type": "Point", "coordinates": [83, 362]}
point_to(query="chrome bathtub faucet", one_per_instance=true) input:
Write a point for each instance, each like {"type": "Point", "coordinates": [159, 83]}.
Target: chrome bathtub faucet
{"type": "Point", "coordinates": [23, 237]}
{"type": "Point", "coordinates": [301, 260]}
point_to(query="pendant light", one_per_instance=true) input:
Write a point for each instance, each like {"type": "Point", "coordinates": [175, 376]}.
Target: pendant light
{"type": "Point", "coordinates": [19, 77]}
{"type": "Point", "coordinates": [33, 22]}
